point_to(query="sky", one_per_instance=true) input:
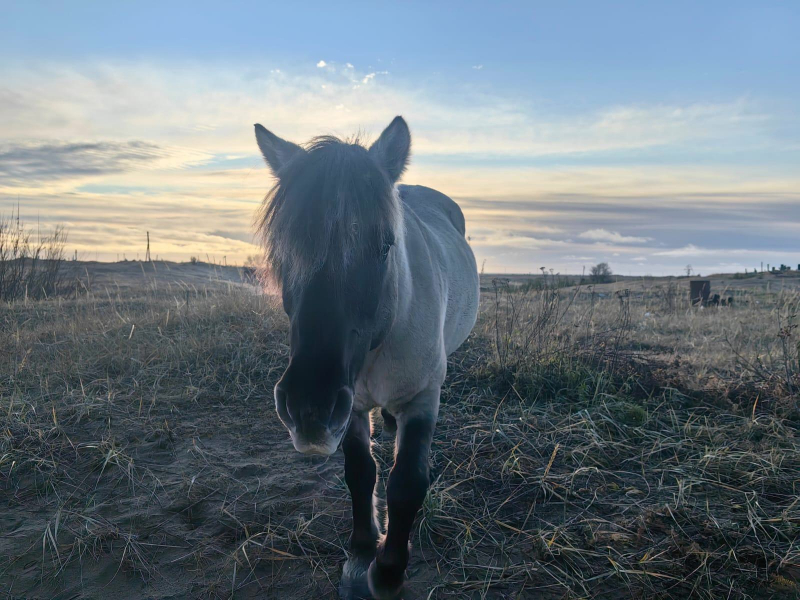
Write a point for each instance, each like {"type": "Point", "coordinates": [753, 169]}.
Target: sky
{"type": "Point", "coordinates": [647, 135]}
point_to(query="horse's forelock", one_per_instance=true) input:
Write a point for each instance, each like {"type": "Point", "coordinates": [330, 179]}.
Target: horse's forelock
{"type": "Point", "coordinates": [323, 209]}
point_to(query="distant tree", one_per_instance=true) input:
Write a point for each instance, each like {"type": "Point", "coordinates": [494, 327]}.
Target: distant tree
{"type": "Point", "coordinates": [253, 261]}
{"type": "Point", "coordinates": [601, 273]}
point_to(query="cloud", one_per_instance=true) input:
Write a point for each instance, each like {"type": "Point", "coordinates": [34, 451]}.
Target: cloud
{"type": "Point", "coordinates": [322, 64]}
{"type": "Point", "coordinates": [370, 76]}
{"type": "Point", "coordinates": [477, 67]}
{"type": "Point", "coordinates": [37, 162]}
{"type": "Point", "coordinates": [692, 251]}
{"type": "Point", "coordinates": [687, 250]}
{"type": "Point", "coordinates": [603, 235]}
{"type": "Point", "coordinates": [112, 224]}
{"type": "Point", "coordinates": [241, 236]}
{"type": "Point", "coordinates": [515, 240]}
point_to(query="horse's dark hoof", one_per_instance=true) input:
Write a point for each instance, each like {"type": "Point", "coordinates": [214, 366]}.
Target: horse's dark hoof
{"type": "Point", "coordinates": [385, 585]}
{"type": "Point", "coordinates": [353, 585]}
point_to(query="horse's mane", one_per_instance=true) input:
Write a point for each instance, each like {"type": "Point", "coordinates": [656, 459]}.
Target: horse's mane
{"type": "Point", "coordinates": [328, 205]}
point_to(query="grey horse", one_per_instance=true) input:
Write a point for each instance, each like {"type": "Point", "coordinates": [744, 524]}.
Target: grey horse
{"type": "Point", "coordinates": [380, 286]}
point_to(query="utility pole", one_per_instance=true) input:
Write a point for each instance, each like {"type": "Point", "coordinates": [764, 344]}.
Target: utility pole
{"type": "Point", "coordinates": [147, 256]}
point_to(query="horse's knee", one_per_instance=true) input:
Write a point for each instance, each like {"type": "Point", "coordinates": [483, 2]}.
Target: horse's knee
{"type": "Point", "coordinates": [359, 467]}
{"type": "Point", "coordinates": [410, 476]}
{"type": "Point", "coordinates": [408, 486]}
{"type": "Point", "coordinates": [359, 464]}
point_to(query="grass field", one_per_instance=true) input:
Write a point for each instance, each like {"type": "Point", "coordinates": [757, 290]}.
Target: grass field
{"type": "Point", "coordinates": [610, 441]}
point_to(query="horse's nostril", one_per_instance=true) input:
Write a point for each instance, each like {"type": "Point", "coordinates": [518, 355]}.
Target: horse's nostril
{"type": "Point", "coordinates": [341, 409]}
{"type": "Point", "coordinates": [282, 407]}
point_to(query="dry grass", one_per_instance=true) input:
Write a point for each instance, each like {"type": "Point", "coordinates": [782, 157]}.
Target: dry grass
{"type": "Point", "coordinates": [31, 264]}
{"type": "Point", "coordinates": [621, 445]}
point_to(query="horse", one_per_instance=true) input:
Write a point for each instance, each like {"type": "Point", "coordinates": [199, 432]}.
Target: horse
{"type": "Point", "coordinates": [380, 286]}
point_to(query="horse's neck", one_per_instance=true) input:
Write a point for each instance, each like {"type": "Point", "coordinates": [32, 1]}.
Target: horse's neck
{"type": "Point", "coordinates": [412, 274]}
{"type": "Point", "coordinates": [402, 272]}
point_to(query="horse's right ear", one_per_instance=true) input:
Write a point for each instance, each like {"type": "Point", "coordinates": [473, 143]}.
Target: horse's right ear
{"type": "Point", "coordinates": [277, 152]}
{"type": "Point", "coordinates": [392, 149]}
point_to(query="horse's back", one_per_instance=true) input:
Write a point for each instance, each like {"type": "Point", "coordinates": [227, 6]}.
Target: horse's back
{"type": "Point", "coordinates": [427, 202]}
{"type": "Point", "coordinates": [443, 224]}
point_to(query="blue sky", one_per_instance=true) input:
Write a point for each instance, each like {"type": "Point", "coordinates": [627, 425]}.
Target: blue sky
{"type": "Point", "coordinates": [646, 136]}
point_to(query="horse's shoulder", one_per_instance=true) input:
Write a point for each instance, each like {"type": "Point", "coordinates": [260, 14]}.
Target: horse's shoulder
{"type": "Point", "coordinates": [424, 200]}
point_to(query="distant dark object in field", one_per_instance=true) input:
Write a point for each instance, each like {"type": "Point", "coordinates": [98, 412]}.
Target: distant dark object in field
{"type": "Point", "coordinates": [716, 300]}
{"type": "Point", "coordinates": [700, 295]}
{"type": "Point", "coordinates": [784, 270]}
{"type": "Point", "coordinates": [699, 292]}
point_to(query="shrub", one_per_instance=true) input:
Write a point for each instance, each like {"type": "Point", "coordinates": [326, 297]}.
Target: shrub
{"type": "Point", "coordinates": [601, 273]}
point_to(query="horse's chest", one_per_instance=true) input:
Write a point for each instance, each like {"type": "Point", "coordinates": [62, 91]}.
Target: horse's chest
{"type": "Point", "coordinates": [388, 381]}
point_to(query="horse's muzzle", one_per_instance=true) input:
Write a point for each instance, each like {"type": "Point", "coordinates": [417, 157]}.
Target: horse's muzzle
{"type": "Point", "coordinates": [315, 427]}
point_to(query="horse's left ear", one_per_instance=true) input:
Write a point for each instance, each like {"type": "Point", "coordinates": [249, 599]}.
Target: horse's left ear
{"type": "Point", "coordinates": [392, 149]}
{"type": "Point", "coordinates": [277, 152]}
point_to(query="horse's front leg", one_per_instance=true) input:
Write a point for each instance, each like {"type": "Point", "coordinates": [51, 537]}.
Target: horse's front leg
{"type": "Point", "coordinates": [405, 492]}
{"type": "Point", "coordinates": [360, 475]}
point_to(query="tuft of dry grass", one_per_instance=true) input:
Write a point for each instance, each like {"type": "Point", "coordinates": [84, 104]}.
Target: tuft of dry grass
{"type": "Point", "coordinates": [31, 265]}
{"type": "Point", "coordinates": [591, 444]}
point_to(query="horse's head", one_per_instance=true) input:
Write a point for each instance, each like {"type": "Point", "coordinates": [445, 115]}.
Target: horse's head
{"type": "Point", "coordinates": [329, 225]}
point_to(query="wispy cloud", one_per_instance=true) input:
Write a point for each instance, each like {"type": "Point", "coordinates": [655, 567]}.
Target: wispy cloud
{"type": "Point", "coordinates": [28, 164]}
{"type": "Point", "coordinates": [370, 76]}
{"type": "Point", "coordinates": [692, 251]}
{"type": "Point", "coordinates": [612, 236]}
